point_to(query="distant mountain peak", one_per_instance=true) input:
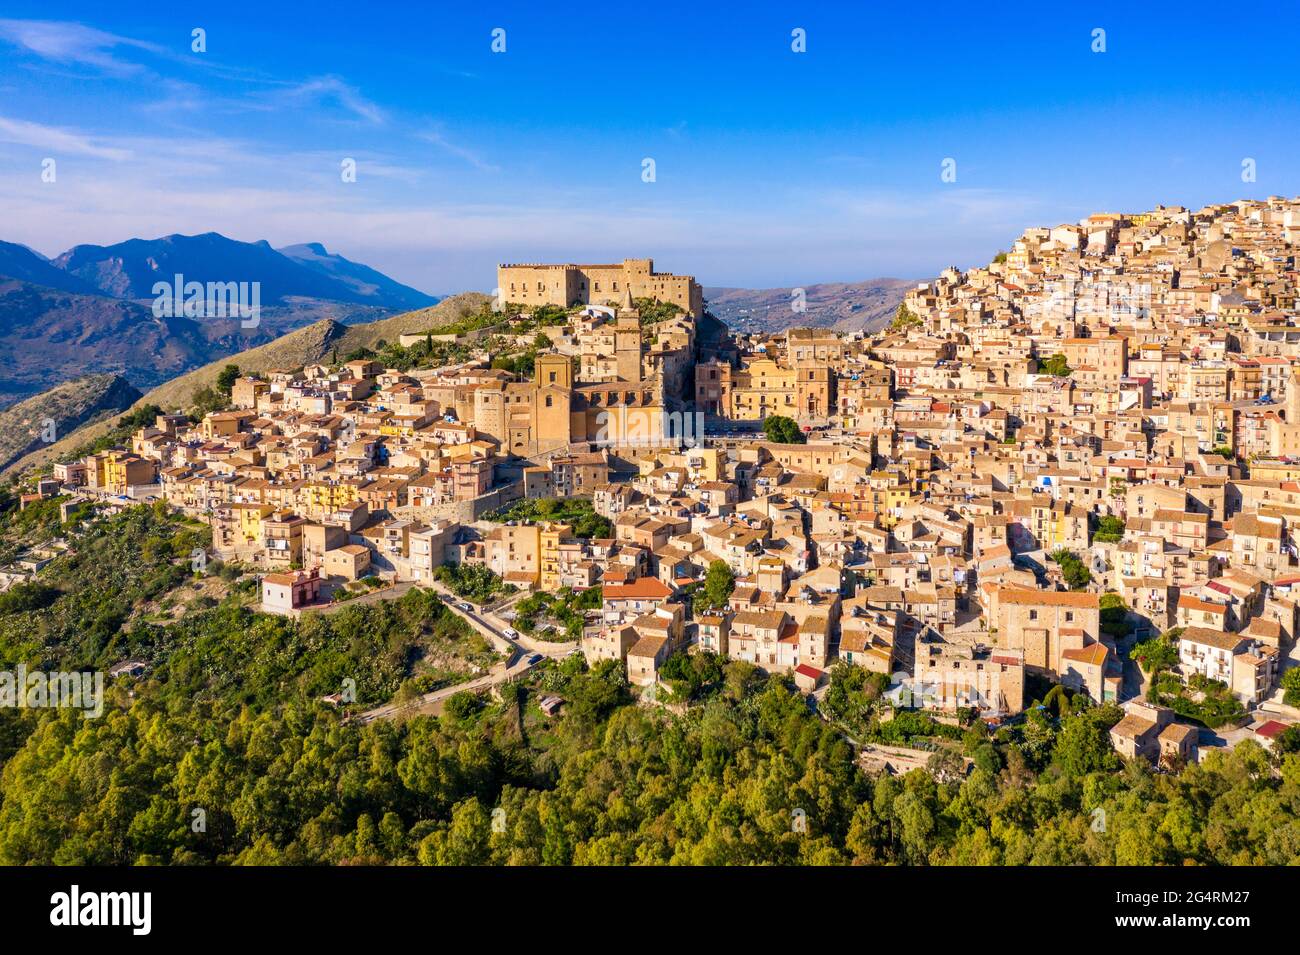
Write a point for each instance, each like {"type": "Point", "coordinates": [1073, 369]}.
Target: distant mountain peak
{"type": "Point", "coordinates": [25, 265]}
{"type": "Point", "coordinates": [89, 309]}
{"type": "Point", "coordinates": [315, 248]}
{"type": "Point", "coordinates": [129, 270]}
{"type": "Point", "coordinates": [360, 278]}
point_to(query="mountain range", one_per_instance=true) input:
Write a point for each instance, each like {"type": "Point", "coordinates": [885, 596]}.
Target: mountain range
{"type": "Point", "coordinates": [89, 310]}
{"type": "Point", "coordinates": [843, 306]}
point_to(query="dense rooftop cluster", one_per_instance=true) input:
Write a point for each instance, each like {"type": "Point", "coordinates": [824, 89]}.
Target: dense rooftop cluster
{"type": "Point", "coordinates": [1077, 465]}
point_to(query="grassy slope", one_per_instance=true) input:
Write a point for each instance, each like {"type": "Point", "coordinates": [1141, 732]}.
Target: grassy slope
{"type": "Point", "coordinates": [69, 405]}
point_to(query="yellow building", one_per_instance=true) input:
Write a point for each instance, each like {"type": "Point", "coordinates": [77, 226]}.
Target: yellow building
{"type": "Point", "coordinates": [118, 471]}
{"type": "Point", "coordinates": [250, 521]}
{"type": "Point", "coordinates": [324, 497]}
{"type": "Point", "coordinates": [762, 387]}
{"type": "Point", "coordinates": [551, 537]}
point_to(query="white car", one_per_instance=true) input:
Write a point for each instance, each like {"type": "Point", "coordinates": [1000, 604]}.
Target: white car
{"type": "Point", "coordinates": [512, 633]}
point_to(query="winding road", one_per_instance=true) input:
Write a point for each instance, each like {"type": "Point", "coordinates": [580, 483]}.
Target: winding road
{"type": "Point", "coordinates": [517, 650]}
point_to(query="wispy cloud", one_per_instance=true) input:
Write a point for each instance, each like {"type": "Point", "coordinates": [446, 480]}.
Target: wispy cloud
{"type": "Point", "coordinates": [74, 43]}
{"type": "Point", "coordinates": [438, 138]}
{"type": "Point", "coordinates": [178, 96]}
{"type": "Point", "coordinates": [56, 140]}
{"type": "Point", "coordinates": [332, 89]}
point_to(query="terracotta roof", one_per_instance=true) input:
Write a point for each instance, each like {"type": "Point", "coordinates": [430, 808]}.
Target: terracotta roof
{"type": "Point", "coordinates": [645, 588]}
{"type": "Point", "coordinates": [1094, 654]}
{"type": "Point", "coordinates": [1132, 726]}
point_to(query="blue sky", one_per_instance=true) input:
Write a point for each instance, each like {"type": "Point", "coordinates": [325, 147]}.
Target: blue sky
{"type": "Point", "coordinates": [773, 168]}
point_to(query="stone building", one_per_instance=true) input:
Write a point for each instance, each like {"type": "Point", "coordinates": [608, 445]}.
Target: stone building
{"type": "Point", "coordinates": [568, 284]}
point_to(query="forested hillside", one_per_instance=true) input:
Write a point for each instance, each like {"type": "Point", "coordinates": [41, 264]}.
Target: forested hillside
{"type": "Point", "coordinates": [223, 751]}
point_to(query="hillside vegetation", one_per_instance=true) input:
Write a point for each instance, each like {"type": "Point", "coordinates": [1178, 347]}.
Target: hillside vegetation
{"type": "Point", "coordinates": [27, 425]}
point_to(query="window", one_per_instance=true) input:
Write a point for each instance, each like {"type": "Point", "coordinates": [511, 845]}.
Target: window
{"type": "Point", "coordinates": [1033, 615]}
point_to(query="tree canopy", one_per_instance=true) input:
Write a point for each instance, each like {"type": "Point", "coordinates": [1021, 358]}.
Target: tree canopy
{"type": "Point", "coordinates": [783, 430]}
{"type": "Point", "coordinates": [1055, 365]}
{"type": "Point", "coordinates": [719, 582]}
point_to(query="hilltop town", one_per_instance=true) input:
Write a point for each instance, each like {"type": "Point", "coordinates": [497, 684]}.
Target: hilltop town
{"type": "Point", "coordinates": [1079, 465]}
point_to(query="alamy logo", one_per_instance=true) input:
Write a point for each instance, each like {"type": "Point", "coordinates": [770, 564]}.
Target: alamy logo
{"type": "Point", "coordinates": [182, 299]}
{"type": "Point", "coordinates": [649, 428]}
{"type": "Point", "coordinates": [38, 690]}
{"type": "Point", "coordinates": [134, 909]}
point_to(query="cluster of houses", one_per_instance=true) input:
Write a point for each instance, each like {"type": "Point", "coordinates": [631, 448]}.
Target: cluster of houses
{"type": "Point", "coordinates": [1092, 441]}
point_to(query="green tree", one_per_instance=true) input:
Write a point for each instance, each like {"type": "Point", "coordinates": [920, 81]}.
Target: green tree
{"type": "Point", "coordinates": [1055, 365]}
{"type": "Point", "coordinates": [226, 379]}
{"type": "Point", "coordinates": [904, 318]}
{"type": "Point", "coordinates": [1110, 529]}
{"type": "Point", "coordinates": [1287, 741]}
{"type": "Point", "coordinates": [719, 582]}
{"type": "Point", "coordinates": [1076, 574]}
{"type": "Point", "coordinates": [1114, 615]}
{"type": "Point", "coordinates": [208, 399]}
{"type": "Point", "coordinates": [1083, 744]}
{"type": "Point", "coordinates": [1291, 687]}
{"type": "Point", "coordinates": [783, 430]}
{"type": "Point", "coordinates": [1156, 654]}
{"type": "Point", "coordinates": [461, 706]}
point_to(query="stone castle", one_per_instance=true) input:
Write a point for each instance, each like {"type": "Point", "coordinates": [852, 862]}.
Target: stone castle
{"type": "Point", "coordinates": [567, 285]}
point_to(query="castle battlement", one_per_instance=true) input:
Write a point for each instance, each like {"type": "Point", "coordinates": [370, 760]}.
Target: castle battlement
{"type": "Point", "coordinates": [568, 284]}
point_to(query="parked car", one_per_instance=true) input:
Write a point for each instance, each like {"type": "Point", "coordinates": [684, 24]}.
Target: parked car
{"type": "Point", "coordinates": [466, 607]}
{"type": "Point", "coordinates": [533, 658]}
{"type": "Point", "coordinates": [512, 633]}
